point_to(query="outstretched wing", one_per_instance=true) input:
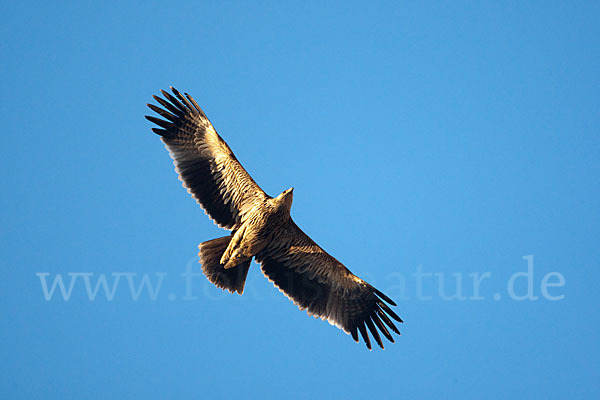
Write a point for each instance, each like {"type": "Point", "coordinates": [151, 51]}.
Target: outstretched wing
{"type": "Point", "coordinates": [205, 163]}
{"type": "Point", "coordinates": [319, 283]}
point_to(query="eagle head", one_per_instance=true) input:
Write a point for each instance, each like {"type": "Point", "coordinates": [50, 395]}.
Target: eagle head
{"type": "Point", "coordinates": [285, 198]}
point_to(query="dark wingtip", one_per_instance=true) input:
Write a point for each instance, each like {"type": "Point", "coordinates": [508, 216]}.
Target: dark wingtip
{"type": "Point", "coordinates": [174, 110]}
{"type": "Point", "coordinates": [365, 335]}
{"type": "Point", "coordinates": [161, 132]}
{"type": "Point", "coordinates": [374, 332]}
{"type": "Point", "coordinates": [354, 333]}
{"type": "Point", "coordinates": [387, 321]}
{"type": "Point", "coordinates": [382, 327]}
{"type": "Point", "coordinates": [383, 296]}
{"type": "Point", "coordinates": [196, 106]}
{"type": "Point", "coordinates": [388, 310]}
{"type": "Point", "coordinates": [160, 122]}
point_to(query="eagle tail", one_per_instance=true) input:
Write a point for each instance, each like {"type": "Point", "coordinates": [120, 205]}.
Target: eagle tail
{"type": "Point", "coordinates": [231, 279]}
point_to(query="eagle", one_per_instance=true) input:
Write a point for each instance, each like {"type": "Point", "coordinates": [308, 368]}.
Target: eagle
{"type": "Point", "coordinates": [262, 228]}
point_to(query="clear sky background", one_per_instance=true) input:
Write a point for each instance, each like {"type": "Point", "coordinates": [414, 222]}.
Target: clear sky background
{"type": "Point", "coordinates": [450, 137]}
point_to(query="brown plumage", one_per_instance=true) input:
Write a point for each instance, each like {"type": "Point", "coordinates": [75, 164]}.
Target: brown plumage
{"type": "Point", "coordinates": [261, 227]}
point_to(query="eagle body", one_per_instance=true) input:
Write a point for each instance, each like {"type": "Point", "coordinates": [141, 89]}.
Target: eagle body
{"type": "Point", "coordinates": [262, 229]}
{"type": "Point", "coordinates": [258, 229]}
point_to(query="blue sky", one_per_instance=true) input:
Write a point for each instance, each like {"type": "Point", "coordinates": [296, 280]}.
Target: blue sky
{"type": "Point", "coordinates": [450, 138]}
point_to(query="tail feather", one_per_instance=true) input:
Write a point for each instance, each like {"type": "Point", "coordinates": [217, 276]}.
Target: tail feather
{"type": "Point", "coordinates": [231, 279]}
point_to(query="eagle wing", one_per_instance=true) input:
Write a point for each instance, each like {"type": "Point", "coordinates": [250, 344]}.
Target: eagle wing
{"type": "Point", "coordinates": [318, 283]}
{"type": "Point", "coordinates": [206, 165]}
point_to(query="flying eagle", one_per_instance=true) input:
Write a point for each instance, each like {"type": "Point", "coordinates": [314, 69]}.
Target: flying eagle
{"type": "Point", "coordinates": [261, 227]}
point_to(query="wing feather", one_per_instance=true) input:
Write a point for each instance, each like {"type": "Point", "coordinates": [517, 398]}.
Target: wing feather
{"type": "Point", "coordinates": [206, 165]}
{"type": "Point", "coordinates": [318, 283]}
